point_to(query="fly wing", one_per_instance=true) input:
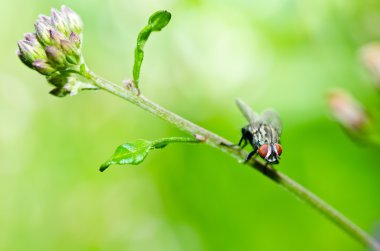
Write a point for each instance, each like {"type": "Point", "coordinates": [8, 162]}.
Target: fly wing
{"type": "Point", "coordinates": [252, 117]}
{"type": "Point", "coordinates": [271, 118]}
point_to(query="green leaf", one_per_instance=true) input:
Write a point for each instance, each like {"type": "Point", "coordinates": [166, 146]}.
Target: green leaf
{"type": "Point", "coordinates": [59, 92]}
{"type": "Point", "coordinates": [157, 21]}
{"type": "Point", "coordinates": [136, 151]}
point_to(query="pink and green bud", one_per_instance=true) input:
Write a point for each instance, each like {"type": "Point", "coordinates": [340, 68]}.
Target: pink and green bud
{"type": "Point", "coordinates": [45, 19]}
{"type": "Point", "coordinates": [56, 37]}
{"type": "Point", "coordinates": [32, 38]}
{"type": "Point", "coordinates": [23, 59]}
{"type": "Point", "coordinates": [75, 39]}
{"type": "Point", "coordinates": [73, 20]}
{"type": "Point", "coordinates": [72, 55]}
{"type": "Point", "coordinates": [68, 47]}
{"type": "Point", "coordinates": [55, 56]}
{"type": "Point", "coordinates": [43, 32]}
{"type": "Point", "coordinates": [370, 55]}
{"type": "Point", "coordinates": [43, 67]}
{"type": "Point", "coordinates": [347, 110]}
{"type": "Point", "coordinates": [54, 49]}
{"type": "Point", "coordinates": [59, 21]}
{"type": "Point", "coordinates": [29, 52]}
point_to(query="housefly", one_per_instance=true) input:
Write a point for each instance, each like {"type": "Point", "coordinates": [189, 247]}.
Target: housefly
{"type": "Point", "coordinates": [263, 133]}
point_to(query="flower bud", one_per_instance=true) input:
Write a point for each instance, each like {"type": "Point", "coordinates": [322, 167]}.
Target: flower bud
{"type": "Point", "coordinates": [43, 67]}
{"type": "Point", "coordinates": [347, 110]}
{"type": "Point", "coordinates": [45, 20]}
{"type": "Point", "coordinates": [68, 47]}
{"type": "Point", "coordinates": [42, 30]}
{"type": "Point", "coordinates": [56, 37]}
{"type": "Point", "coordinates": [29, 52]}
{"type": "Point", "coordinates": [73, 20]}
{"type": "Point", "coordinates": [72, 55]}
{"type": "Point", "coordinates": [32, 38]}
{"type": "Point", "coordinates": [55, 56]}
{"type": "Point", "coordinates": [370, 55]}
{"type": "Point", "coordinates": [74, 38]}
{"type": "Point", "coordinates": [23, 59]}
{"type": "Point", "coordinates": [59, 21]}
{"type": "Point", "coordinates": [54, 51]}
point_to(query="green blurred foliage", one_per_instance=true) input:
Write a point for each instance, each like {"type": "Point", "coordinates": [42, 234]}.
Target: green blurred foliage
{"type": "Point", "coordinates": [281, 53]}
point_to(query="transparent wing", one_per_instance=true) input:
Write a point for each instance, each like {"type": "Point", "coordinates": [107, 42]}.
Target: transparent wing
{"type": "Point", "coordinates": [248, 113]}
{"type": "Point", "coordinates": [271, 117]}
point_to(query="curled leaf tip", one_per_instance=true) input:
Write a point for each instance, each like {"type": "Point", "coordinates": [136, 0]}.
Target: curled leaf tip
{"type": "Point", "coordinates": [159, 20]}
{"type": "Point", "coordinates": [104, 167]}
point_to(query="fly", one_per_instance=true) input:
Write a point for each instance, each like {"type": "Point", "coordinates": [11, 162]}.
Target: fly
{"type": "Point", "coordinates": [263, 133]}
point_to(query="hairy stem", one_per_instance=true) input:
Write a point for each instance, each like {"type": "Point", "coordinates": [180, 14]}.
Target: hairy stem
{"type": "Point", "coordinates": [224, 145]}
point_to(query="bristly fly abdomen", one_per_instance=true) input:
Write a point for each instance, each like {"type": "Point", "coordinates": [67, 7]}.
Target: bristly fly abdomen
{"type": "Point", "coordinates": [262, 133]}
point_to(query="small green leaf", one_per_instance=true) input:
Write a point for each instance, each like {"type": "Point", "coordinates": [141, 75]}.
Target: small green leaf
{"type": "Point", "coordinates": [159, 20]}
{"type": "Point", "coordinates": [59, 92]}
{"type": "Point", "coordinates": [136, 151]}
{"type": "Point", "coordinates": [129, 153]}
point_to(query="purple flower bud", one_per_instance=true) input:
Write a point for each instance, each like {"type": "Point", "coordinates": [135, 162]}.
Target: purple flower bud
{"type": "Point", "coordinates": [43, 67]}
{"type": "Point", "coordinates": [68, 47]}
{"type": "Point", "coordinates": [72, 54]}
{"type": "Point", "coordinates": [59, 21]}
{"type": "Point", "coordinates": [23, 59]}
{"type": "Point", "coordinates": [43, 34]}
{"type": "Point", "coordinates": [370, 55]}
{"type": "Point", "coordinates": [75, 39]}
{"type": "Point", "coordinates": [44, 19]}
{"type": "Point", "coordinates": [55, 56]}
{"type": "Point", "coordinates": [347, 110]}
{"type": "Point", "coordinates": [32, 38]}
{"type": "Point", "coordinates": [55, 45]}
{"type": "Point", "coordinates": [29, 52]}
{"type": "Point", "coordinates": [73, 19]}
{"type": "Point", "coordinates": [56, 37]}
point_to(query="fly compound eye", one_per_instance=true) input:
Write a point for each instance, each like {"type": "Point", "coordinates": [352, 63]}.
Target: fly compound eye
{"type": "Point", "coordinates": [278, 149]}
{"type": "Point", "coordinates": [263, 151]}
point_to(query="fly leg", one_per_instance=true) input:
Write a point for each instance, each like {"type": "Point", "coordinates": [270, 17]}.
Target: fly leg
{"type": "Point", "coordinates": [250, 155]}
{"type": "Point", "coordinates": [243, 140]}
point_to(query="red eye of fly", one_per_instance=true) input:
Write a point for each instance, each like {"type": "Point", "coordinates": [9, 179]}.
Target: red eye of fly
{"type": "Point", "coordinates": [263, 151]}
{"type": "Point", "coordinates": [278, 148]}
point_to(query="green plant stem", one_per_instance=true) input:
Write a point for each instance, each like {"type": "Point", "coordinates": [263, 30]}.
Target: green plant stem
{"type": "Point", "coordinates": [165, 141]}
{"type": "Point", "coordinates": [224, 145]}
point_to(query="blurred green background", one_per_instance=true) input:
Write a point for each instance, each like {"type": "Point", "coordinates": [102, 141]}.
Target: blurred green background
{"type": "Point", "coordinates": [279, 53]}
